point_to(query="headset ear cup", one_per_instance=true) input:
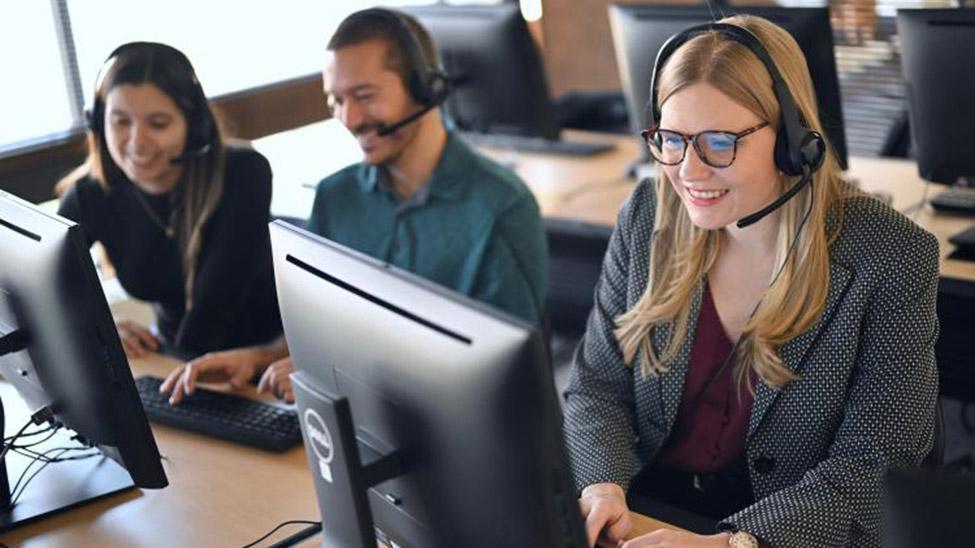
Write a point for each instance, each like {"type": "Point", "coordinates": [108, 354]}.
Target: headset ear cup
{"type": "Point", "coordinates": [91, 121]}
{"type": "Point", "coordinates": [202, 137]}
{"type": "Point", "coordinates": [810, 152]}
{"type": "Point", "coordinates": [429, 88]}
{"type": "Point", "coordinates": [439, 86]}
{"type": "Point", "coordinates": [813, 150]}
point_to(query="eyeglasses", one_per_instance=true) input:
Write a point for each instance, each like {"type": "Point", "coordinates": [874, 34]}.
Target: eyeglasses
{"type": "Point", "coordinates": [714, 148]}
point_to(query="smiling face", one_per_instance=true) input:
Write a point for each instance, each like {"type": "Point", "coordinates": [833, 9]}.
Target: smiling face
{"type": "Point", "coordinates": [144, 131]}
{"type": "Point", "coordinates": [364, 93]}
{"type": "Point", "coordinates": [717, 197]}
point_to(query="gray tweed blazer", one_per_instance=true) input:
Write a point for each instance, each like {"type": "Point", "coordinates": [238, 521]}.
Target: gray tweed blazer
{"type": "Point", "coordinates": [817, 449]}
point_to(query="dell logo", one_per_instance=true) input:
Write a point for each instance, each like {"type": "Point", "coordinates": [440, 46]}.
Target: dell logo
{"type": "Point", "coordinates": [320, 439]}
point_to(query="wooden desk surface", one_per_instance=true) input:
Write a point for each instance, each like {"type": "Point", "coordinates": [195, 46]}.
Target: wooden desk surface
{"type": "Point", "coordinates": [220, 494]}
{"type": "Point", "coordinates": [588, 188]}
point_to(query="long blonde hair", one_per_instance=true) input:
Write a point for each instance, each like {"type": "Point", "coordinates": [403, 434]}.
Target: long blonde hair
{"type": "Point", "coordinates": [201, 185]}
{"type": "Point", "coordinates": [681, 253]}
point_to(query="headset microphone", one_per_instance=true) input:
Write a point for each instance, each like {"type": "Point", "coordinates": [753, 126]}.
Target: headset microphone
{"type": "Point", "coordinates": [190, 154]}
{"type": "Point", "coordinates": [385, 130]}
{"type": "Point", "coordinates": [785, 197]}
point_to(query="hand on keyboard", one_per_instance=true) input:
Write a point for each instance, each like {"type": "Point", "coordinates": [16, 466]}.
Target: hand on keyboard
{"type": "Point", "coordinates": [226, 416]}
{"type": "Point", "coordinates": [276, 380]}
{"type": "Point", "coordinates": [236, 367]}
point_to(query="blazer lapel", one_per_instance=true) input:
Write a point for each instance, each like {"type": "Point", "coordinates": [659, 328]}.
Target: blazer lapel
{"type": "Point", "coordinates": [794, 351]}
{"type": "Point", "coordinates": [672, 382]}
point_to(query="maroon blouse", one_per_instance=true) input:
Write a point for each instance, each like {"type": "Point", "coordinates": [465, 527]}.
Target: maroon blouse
{"type": "Point", "coordinates": [710, 429]}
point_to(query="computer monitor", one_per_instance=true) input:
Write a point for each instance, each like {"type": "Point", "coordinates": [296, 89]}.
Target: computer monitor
{"type": "Point", "coordinates": [60, 350]}
{"type": "Point", "coordinates": [927, 507]}
{"type": "Point", "coordinates": [495, 67]}
{"type": "Point", "coordinates": [936, 61]}
{"type": "Point", "coordinates": [640, 31]}
{"type": "Point", "coordinates": [429, 419]}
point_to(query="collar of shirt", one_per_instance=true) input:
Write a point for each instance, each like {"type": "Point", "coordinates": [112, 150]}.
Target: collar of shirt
{"type": "Point", "coordinates": [444, 182]}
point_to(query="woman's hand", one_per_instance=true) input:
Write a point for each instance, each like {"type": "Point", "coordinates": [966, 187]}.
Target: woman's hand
{"type": "Point", "coordinates": [136, 339]}
{"type": "Point", "coordinates": [662, 538]}
{"type": "Point", "coordinates": [236, 367]}
{"type": "Point", "coordinates": [277, 380]}
{"type": "Point", "coordinates": [603, 505]}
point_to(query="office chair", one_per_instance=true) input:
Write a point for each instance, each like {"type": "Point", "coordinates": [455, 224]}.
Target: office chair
{"type": "Point", "coordinates": [576, 251]}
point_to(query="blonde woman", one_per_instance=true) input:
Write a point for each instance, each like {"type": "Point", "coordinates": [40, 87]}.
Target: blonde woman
{"type": "Point", "coordinates": [763, 376]}
{"type": "Point", "coordinates": [182, 217]}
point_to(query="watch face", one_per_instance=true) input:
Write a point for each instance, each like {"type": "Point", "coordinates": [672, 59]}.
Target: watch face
{"type": "Point", "coordinates": [741, 539]}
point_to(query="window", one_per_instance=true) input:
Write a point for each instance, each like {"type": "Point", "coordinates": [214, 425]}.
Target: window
{"type": "Point", "coordinates": [233, 46]}
{"type": "Point", "coordinates": [35, 101]}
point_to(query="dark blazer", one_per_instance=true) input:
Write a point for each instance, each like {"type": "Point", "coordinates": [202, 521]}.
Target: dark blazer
{"type": "Point", "coordinates": [817, 449]}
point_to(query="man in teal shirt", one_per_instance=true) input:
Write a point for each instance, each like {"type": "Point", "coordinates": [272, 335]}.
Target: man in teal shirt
{"type": "Point", "coordinates": [473, 227]}
{"type": "Point", "coordinates": [421, 199]}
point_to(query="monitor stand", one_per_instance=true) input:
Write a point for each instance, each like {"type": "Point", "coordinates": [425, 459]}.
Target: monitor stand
{"type": "Point", "coordinates": [60, 486]}
{"type": "Point", "coordinates": [343, 468]}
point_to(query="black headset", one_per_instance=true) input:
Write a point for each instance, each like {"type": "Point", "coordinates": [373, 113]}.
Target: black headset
{"type": "Point", "coordinates": [427, 83]}
{"type": "Point", "coordinates": [796, 146]}
{"type": "Point", "coordinates": [799, 151]}
{"type": "Point", "coordinates": [201, 126]}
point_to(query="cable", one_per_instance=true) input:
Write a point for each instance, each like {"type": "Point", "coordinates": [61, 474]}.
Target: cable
{"type": "Point", "coordinates": [52, 432]}
{"type": "Point", "coordinates": [294, 539]}
{"type": "Point", "coordinates": [915, 209]}
{"type": "Point", "coordinates": [279, 526]}
{"type": "Point", "coordinates": [35, 432]}
{"type": "Point", "coordinates": [792, 246]}
{"type": "Point", "coordinates": [43, 458]}
{"type": "Point", "coordinates": [46, 460]}
{"type": "Point", "coordinates": [9, 444]}
{"type": "Point", "coordinates": [15, 495]}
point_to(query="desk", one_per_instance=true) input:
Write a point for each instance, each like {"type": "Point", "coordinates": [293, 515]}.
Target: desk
{"type": "Point", "coordinates": [220, 494]}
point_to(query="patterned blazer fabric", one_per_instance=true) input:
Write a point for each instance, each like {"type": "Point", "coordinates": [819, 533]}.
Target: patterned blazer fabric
{"type": "Point", "coordinates": [817, 449]}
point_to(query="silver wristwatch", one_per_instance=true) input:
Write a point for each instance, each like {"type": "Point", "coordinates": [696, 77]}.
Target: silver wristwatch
{"type": "Point", "coordinates": [742, 539]}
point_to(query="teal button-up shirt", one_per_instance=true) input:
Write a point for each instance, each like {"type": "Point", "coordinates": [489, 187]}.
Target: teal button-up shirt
{"type": "Point", "coordinates": [473, 227]}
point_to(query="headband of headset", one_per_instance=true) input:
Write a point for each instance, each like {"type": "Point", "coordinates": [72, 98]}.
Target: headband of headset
{"type": "Point", "coordinates": [201, 125]}
{"type": "Point", "coordinates": [427, 83]}
{"type": "Point", "coordinates": [796, 146]}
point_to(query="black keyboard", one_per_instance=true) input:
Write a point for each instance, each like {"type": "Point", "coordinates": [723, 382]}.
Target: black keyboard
{"type": "Point", "coordinates": [225, 416]}
{"type": "Point", "coordinates": [955, 200]}
{"type": "Point", "coordinates": [536, 144]}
